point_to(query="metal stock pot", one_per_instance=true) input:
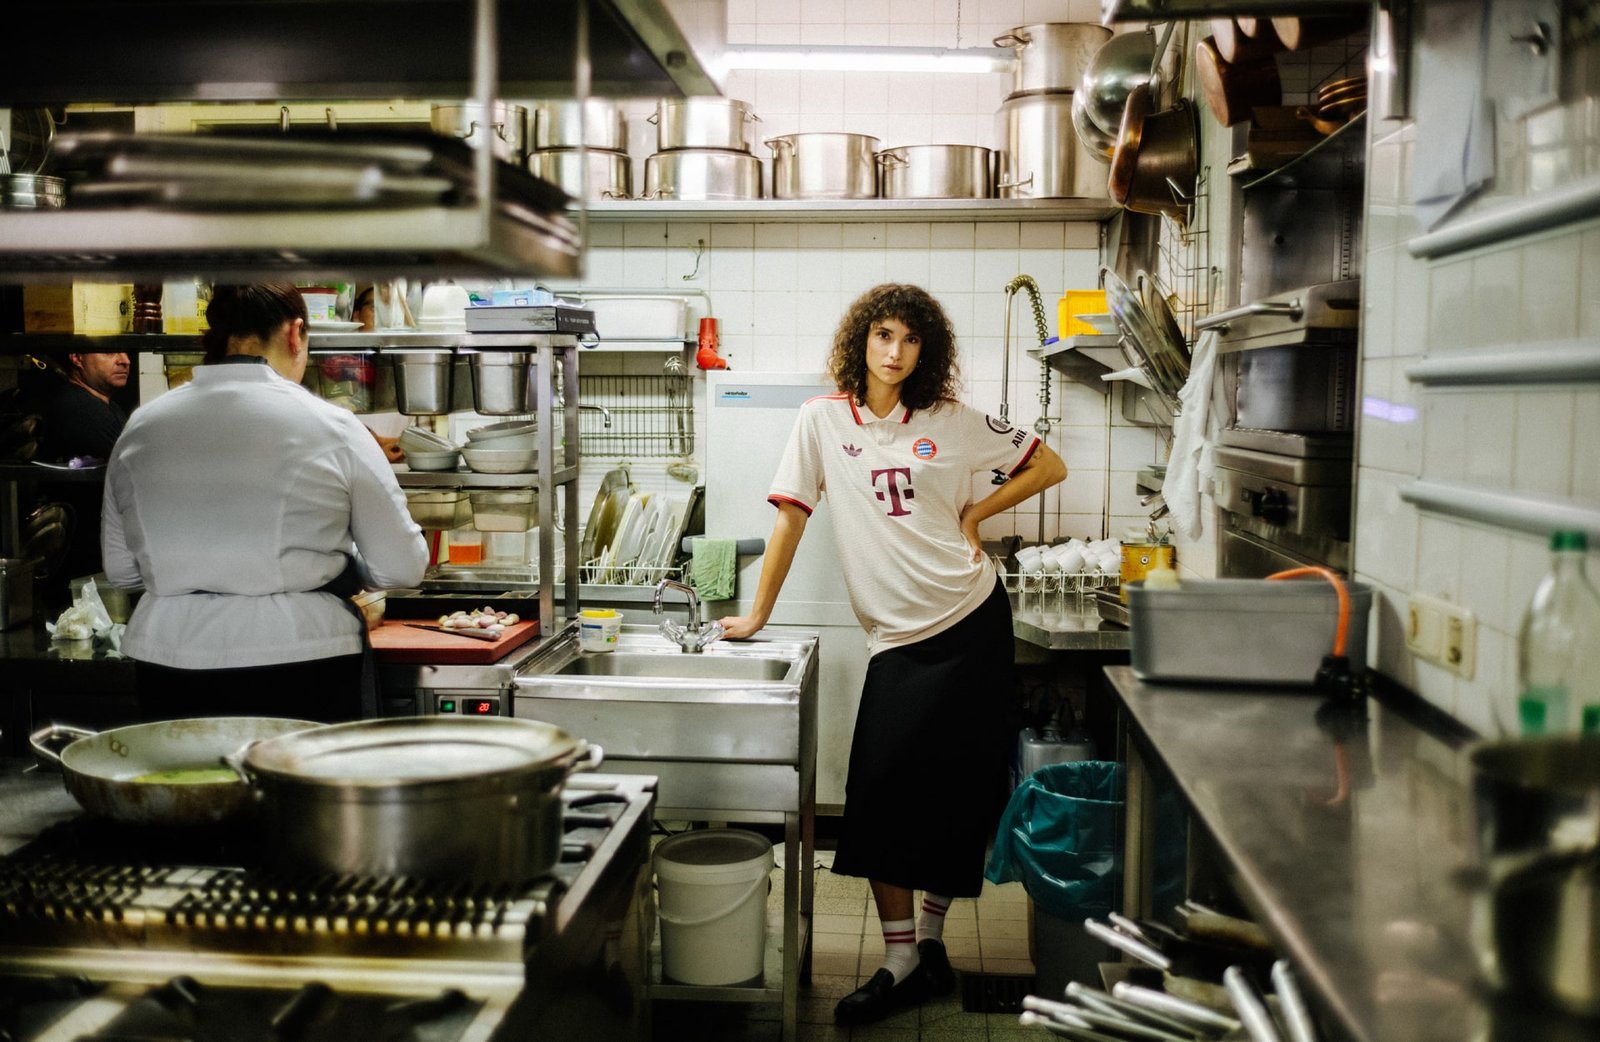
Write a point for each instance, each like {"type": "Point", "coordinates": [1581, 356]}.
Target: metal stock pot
{"type": "Point", "coordinates": [824, 166]}
{"type": "Point", "coordinates": [702, 173]}
{"type": "Point", "coordinates": [1051, 56]}
{"type": "Point", "coordinates": [477, 798]}
{"type": "Point", "coordinates": [555, 124]}
{"type": "Point", "coordinates": [165, 773]}
{"type": "Point", "coordinates": [937, 172]}
{"type": "Point", "coordinates": [702, 122]}
{"type": "Point", "coordinates": [1042, 156]}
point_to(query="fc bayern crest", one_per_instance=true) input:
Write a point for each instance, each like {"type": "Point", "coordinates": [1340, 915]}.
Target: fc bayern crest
{"type": "Point", "coordinates": [924, 448]}
{"type": "Point", "coordinates": [998, 426]}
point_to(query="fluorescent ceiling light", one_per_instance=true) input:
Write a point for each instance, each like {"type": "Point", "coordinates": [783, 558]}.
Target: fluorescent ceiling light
{"type": "Point", "coordinates": [842, 58]}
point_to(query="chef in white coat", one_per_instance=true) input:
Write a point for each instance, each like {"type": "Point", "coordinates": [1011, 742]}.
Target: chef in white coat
{"type": "Point", "coordinates": [250, 510]}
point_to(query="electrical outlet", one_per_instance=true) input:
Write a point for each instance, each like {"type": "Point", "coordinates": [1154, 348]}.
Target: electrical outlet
{"type": "Point", "coordinates": [1443, 633]}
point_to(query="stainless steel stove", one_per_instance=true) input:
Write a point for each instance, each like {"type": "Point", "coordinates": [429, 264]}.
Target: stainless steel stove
{"type": "Point", "coordinates": [111, 934]}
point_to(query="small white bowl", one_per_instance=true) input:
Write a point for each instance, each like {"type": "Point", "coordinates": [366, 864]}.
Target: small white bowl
{"type": "Point", "coordinates": [501, 461]}
{"type": "Point", "coordinates": [425, 441]}
{"type": "Point", "coordinates": [1102, 323]}
{"type": "Point", "coordinates": [433, 460]}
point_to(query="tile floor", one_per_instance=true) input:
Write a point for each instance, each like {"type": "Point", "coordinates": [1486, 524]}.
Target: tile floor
{"type": "Point", "coordinates": [988, 934]}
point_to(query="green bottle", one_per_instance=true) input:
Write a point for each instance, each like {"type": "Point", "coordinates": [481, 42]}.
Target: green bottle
{"type": "Point", "coordinates": [1558, 648]}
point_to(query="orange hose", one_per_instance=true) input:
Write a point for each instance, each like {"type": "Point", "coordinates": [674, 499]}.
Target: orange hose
{"type": "Point", "coordinates": [1338, 588]}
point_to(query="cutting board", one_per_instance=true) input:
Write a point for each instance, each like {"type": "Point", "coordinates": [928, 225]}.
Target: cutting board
{"type": "Point", "coordinates": [397, 642]}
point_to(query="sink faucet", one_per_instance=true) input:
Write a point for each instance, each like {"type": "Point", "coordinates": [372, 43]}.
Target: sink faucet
{"type": "Point", "coordinates": [696, 635]}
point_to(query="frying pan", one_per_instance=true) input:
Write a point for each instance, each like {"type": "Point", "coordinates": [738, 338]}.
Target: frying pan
{"type": "Point", "coordinates": [1233, 90]}
{"type": "Point", "coordinates": [102, 769]}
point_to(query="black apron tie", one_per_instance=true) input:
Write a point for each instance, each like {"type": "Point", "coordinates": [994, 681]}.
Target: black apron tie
{"type": "Point", "coordinates": [344, 586]}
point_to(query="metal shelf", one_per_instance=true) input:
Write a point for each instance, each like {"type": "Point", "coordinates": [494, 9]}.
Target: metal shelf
{"type": "Point", "coordinates": [472, 479]}
{"type": "Point", "coordinates": [889, 211]}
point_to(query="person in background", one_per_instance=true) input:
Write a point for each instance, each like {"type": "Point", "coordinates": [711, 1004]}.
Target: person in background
{"type": "Point", "coordinates": [250, 510]}
{"type": "Point", "coordinates": [899, 458]}
{"type": "Point", "coordinates": [78, 417]}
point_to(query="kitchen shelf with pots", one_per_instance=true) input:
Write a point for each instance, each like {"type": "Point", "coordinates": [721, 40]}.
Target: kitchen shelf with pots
{"type": "Point", "coordinates": [897, 211]}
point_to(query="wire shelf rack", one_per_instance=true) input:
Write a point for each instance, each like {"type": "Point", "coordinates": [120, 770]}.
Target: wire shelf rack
{"type": "Point", "coordinates": [635, 416]}
{"type": "Point", "coordinates": [597, 571]}
{"type": "Point", "coordinates": [1185, 276]}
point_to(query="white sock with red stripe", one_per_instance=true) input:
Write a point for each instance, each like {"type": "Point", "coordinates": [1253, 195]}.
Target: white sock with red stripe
{"type": "Point", "coordinates": [900, 948]}
{"type": "Point", "coordinates": [930, 924]}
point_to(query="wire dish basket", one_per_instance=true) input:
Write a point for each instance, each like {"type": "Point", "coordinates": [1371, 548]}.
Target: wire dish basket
{"type": "Point", "coordinates": [1046, 591]}
{"type": "Point", "coordinates": [601, 572]}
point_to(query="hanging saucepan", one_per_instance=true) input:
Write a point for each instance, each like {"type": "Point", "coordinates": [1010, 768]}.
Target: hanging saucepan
{"type": "Point", "coordinates": [430, 797]}
{"type": "Point", "coordinates": [1298, 34]}
{"type": "Point", "coordinates": [165, 773]}
{"type": "Point", "coordinates": [1157, 158]}
{"type": "Point", "coordinates": [1235, 46]}
{"type": "Point", "coordinates": [1051, 56]}
{"type": "Point", "coordinates": [1233, 90]}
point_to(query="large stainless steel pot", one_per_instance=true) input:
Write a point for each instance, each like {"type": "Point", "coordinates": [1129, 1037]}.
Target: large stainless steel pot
{"type": "Point", "coordinates": [702, 122]}
{"type": "Point", "coordinates": [32, 192]}
{"type": "Point", "coordinates": [1051, 56]}
{"type": "Point", "coordinates": [165, 773]}
{"type": "Point", "coordinates": [1536, 913]}
{"type": "Point", "coordinates": [473, 799]}
{"type": "Point", "coordinates": [610, 173]}
{"type": "Point", "coordinates": [500, 382]}
{"type": "Point", "coordinates": [702, 173]}
{"type": "Point", "coordinates": [555, 125]}
{"type": "Point", "coordinates": [824, 166]}
{"type": "Point", "coordinates": [505, 128]}
{"type": "Point", "coordinates": [1042, 157]}
{"type": "Point", "coordinates": [937, 172]}
{"type": "Point", "coordinates": [422, 378]}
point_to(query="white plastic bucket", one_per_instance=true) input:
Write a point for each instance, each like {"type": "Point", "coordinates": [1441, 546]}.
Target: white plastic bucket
{"type": "Point", "coordinates": [712, 901]}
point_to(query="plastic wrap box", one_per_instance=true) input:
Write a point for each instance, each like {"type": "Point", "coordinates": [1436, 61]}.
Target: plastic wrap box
{"type": "Point", "coordinates": [1242, 631]}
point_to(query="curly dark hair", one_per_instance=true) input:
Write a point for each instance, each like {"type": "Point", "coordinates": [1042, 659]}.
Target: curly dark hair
{"type": "Point", "coordinates": [937, 373]}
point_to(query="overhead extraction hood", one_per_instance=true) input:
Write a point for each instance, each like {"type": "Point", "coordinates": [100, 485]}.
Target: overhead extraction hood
{"type": "Point", "coordinates": [141, 52]}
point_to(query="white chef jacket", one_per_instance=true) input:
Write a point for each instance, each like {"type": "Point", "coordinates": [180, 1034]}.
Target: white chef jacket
{"type": "Point", "coordinates": [234, 497]}
{"type": "Point", "coordinates": [896, 487]}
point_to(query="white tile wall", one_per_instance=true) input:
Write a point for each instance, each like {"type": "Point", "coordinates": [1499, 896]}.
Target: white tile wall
{"type": "Point", "coordinates": [778, 290]}
{"type": "Point", "coordinates": [1536, 439]}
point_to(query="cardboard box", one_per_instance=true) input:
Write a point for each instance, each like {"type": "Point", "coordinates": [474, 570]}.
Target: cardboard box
{"type": "Point", "coordinates": [83, 307]}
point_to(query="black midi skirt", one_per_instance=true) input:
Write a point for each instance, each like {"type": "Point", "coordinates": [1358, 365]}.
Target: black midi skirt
{"type": "Point", "coordinates": [929, 762]}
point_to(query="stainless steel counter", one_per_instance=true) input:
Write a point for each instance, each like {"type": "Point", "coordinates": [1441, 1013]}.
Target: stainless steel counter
{"type": "Point", "coordinates": [1354, 882]}
{"type": "Point", "coordinates": [1060, 624]}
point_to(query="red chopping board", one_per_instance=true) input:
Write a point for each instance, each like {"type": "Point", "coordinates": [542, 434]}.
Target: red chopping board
{"type": "Point", "coordinates": [397, 642]}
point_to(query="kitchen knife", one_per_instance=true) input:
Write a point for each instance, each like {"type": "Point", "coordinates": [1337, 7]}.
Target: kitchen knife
{"type": "Point", "coordinates": [1295, 1012]}
{"type": "Point", "coordinates": [1133, 946]}
{"type": "Point", "coordinates": [475, 635]}
{"type": "Point", "coordinates": [1252, 1011]}
{"type": "Point", "coordinates": [1182, 1008]}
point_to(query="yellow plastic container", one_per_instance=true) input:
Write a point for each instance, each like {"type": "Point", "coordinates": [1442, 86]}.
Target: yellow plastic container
{"type": "Point", "coordinates": [1077, 302]}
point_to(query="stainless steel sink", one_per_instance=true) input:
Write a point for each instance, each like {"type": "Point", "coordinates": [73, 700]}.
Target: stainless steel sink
{"type": "Point", "coordinates": [747, 706]}
{"type": "Point", "coordinates": [676, 666]}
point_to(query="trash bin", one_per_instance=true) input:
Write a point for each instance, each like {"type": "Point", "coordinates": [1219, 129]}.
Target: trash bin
{"type": "Point", "coordinates": [1061, 836]}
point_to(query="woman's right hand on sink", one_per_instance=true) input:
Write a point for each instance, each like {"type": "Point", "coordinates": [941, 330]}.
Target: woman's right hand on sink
{"type": "Point", "coordinates": [738, 627]}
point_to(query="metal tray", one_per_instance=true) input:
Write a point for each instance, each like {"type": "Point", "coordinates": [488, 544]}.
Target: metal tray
{"type": "Point", "coordinates": [1242, 631]}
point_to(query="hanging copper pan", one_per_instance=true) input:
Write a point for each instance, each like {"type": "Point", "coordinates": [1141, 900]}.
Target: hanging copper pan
{"type": "Point", "coordinates": [1153, 169]}
{"type": "Point", "coordinates": [1233, 90]}
{"type": "Point", "coordinates": [1235, 46]}
{"type": "Point", "coordinates": [1260, 30]}
{"type": "Point", "coordinates": [1298, 34]}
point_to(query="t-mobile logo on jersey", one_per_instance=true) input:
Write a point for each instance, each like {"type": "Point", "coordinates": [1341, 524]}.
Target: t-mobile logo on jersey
{"type": "Point", "coordinates": [893, 492]}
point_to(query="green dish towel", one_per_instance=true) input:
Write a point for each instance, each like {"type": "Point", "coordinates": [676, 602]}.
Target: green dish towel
{"type": "Point", "coordinates": [714, 567]}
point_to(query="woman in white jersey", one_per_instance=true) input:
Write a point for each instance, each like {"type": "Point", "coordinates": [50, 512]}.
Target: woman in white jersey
{"type": "Point", "coordinates": [909, 474]}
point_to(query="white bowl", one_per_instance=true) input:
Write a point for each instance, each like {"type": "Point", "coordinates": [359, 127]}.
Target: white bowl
{"type": "Point", "coordinates": [425, 441]}
{"type": "Point", "coordinates": [496, 432]}
{"type": "Point", "coordinates": [501, 461]}
{"type": "Point", "coordinates": [519, 442]}
{"type": "Point", "coordinates": [433, 460]}
{"type": "Point", "coordinates": [1102, 323]}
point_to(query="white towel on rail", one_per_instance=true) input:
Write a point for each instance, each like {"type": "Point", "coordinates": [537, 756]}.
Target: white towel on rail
{"type": "Point", "coordinates": [1194, 440]}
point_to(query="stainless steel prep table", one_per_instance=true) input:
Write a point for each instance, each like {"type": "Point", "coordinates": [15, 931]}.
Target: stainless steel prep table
{"type": "Point", "coordinates": [1357, 893]}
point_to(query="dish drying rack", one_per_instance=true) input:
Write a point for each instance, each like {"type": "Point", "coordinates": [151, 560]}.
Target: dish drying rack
{"type": "Point", "coordinates": [595, 572]}
{"type": "Point", "coordinates": [636, 416]}
{"type": "Point", "coordinates": [1046, 591]}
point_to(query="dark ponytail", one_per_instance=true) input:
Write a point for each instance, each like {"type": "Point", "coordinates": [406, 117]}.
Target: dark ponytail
{"type": "Point", "coordinates": [246, 311]}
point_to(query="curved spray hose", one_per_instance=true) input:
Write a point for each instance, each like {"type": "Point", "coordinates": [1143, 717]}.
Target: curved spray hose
{"type": "Point", "coordinates": [1041, 426]}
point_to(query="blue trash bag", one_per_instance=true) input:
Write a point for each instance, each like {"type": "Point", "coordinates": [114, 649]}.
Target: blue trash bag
{"type": "Point", "coordinates": [1061, 835]}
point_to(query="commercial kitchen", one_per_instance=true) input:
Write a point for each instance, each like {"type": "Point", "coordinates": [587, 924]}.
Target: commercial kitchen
{"type": "Point", "coordinates": [1287, 284]}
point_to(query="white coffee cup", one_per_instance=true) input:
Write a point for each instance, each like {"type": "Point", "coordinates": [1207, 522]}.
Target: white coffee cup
{"type": "Point", "coordinates": [598, 629]}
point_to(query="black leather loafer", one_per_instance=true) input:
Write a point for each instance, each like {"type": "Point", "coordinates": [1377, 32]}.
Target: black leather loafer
{"type": "Point", "coordinates": [880, 997]}
{"type": "Point", "coordinates": [936, 967]}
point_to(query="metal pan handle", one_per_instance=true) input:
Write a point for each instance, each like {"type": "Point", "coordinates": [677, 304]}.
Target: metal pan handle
{"type": "Point", "coordinates": [41, 738]}
{"type": "Point", "coordinates": [1134, 947]}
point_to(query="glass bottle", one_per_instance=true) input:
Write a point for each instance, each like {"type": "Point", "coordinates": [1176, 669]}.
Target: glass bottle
{"type": "Point", "coordinates": [1558, 647]}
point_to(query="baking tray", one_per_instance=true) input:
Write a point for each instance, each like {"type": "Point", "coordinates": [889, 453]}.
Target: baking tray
{"type": "Point", "coordinates": [1242, 631]}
